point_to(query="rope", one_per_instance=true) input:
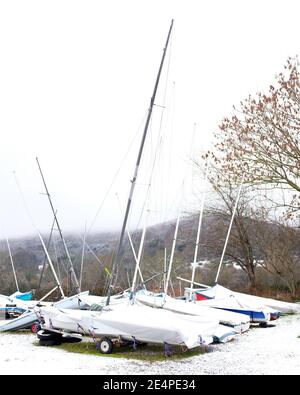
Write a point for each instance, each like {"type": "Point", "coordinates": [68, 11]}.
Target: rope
{"type": "Point", "coordinates": [167, 350]}
{"type": "Point", "coordinates": [92, 334]}
{"type": "Point", "coordinates": [80, 327]}
{"type": "Point", "coordinates": [134, 344]}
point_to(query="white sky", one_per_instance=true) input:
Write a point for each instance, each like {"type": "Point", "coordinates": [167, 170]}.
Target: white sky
{"type": "Point", "coordinates": [76, 78]}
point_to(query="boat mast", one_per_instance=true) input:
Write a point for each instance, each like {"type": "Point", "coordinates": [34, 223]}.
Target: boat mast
{"type": "Point", "coordinates": [229, 229]}
{"type": "Point", "coordinates": [45, 257]}
{"type": "Point", "coordinates": [168, 279]}
{"type": "Point", "coordinates": [134, 255]}
{"type": "Point", "coordinates": [82, 257]}
{"type": "Point", "coordinates": [199, 231]}
{"type": "Point", "coordinates": [118, 255]}
{"type": "Point", "coordinates": [71, 268]}
{"type": "Point", "coordinates": [58, 284]}
{"type": "Point", "coordinates": [139, 257]}
{"type": "Point", "coordinates": [12, 264]}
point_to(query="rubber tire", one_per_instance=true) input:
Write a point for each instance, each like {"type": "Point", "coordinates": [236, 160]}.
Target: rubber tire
{"type": "Point", "coordinates": [70, 339]}
{"type": "Point", "coordinates": [49, 343]}
{"type": "Point", "coordinates": [263, 325]}
{"type": "Point", "coordinates": [105, 345]}
{"type": "Point", "coordinates": [142, 344]}
{"type": "Point", "coordinates": [47, 336]}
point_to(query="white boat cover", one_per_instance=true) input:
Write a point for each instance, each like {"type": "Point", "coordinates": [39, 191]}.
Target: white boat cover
{"type": "Point", "coordinates": [282, 307]}
{"type": "Point", "coordinates": [4, 300]}
{"type": "Point", "coordinates": [239, 322]}
{"type": "Point", "coordinates": [25, 320]}
{"type": "Point", "coordinates": [8, 303]}
{"type": "Point", "coordinates": [133, 322]}
{"type": "Point", "coordinates": [29, 317]}
{"type": "Point", "coordinates": [87, 300]}
{"type": "Point", "coordinates": [223, 298]}
{"type": "Point", "coordinates": [22, 295]}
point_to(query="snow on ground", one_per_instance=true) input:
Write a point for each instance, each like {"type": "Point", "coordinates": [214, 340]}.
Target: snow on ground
{"type": "Point", "coordinates": [272, 350]}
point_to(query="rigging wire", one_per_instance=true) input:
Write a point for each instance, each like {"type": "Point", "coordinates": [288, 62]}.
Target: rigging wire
{"type": "Point", "coordinates": [40, 237]}
{"type": "Point", "coordinates": [56, 259]}
{"type": "Point", "coordinates": [45, 257]}
{"type": "Point", "coordinates": [12, 264]}
{"type": "Point", "coordinates": [166, 185]}
{"type": "Point", "coordinates": [158, 144]}
{"type": "Point", "coordinates": [115, 176]}
{"type": "Point", "coordinates": [112, 184]}
{"type": "Point", "coordinates": [82, 258]}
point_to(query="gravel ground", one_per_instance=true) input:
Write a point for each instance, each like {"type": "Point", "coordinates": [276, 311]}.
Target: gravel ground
{"type": "Point", "coordinates": [272, 350]}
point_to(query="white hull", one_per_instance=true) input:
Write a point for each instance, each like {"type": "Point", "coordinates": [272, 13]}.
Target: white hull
{"type": "Point", "coordinates": [133, 322]}
{"type": "Point", "coordinates": [239, 322]}
{"type": "Point", "coordinates": [222, 298]}
{"type": "Point", "coordinates": [29, 317]}
{"type": "Point", "coordinates": [22, 322]}
{"type": "Point", "coordinates": [282, 307]}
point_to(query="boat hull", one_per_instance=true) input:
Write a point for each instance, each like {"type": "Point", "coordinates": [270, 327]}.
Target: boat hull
{"type": "Point", "coordinates": [131, 322]}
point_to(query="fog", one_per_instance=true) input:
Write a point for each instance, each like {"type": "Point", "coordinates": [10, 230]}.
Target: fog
{"type": "Point", "coordinates": [75, 84]}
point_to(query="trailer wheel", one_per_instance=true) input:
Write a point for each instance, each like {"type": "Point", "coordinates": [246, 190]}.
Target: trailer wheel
{"type": "Point", "coordinates": [263, 325]}
{"type": "Point", "coordinates": [47, 335]}
{"type": "Point", "coordinates": [49, 343]}
{"type": "Point", "coordinates": [71, 339]}
{"type": "Point", "coordinates": [142, 344]}
{"type": "Point", "coordinates": [105, 345]}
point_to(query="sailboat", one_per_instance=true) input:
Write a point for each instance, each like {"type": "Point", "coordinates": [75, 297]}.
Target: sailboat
{"type": "Point", "coordinates": [130, 323]}
{"type": "Point", "coordinates": [187, 306]}
{"type": "Point", "coordinates": [27, 316]}
{"type": "Point", "coordinates": [125, 317]}
{"type": "Point", "coordinates": [222, 298]}
{"type": "Point", "coordinates": [12, 306]}
{"type": "Point", "coordinates": [237, 322]}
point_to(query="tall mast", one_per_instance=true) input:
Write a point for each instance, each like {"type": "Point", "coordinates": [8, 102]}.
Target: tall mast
{"type": "Point", "coordinates": [199, 231]}
{"type": "Point", "coordinates": [71, 268]}
{"type": "Point", "coordinates": [172, 255]}
{"type": "Point", "coordinates": [45, 257]}
{"type": "Point", "coordinates": [229, 229]}
{"type": "Point", "coordinates": [58, 284]}
{"type": "Point", "coordinates": [82, 257]}
{"type": "Point", "coordinates": [118, 255]}
{"type": "Point", "coordinates": [12, 264]}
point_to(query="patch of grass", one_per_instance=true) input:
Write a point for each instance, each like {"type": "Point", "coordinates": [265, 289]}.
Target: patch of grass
{"type": "Point", "coordinates": [19, 332]}
{"type": "Point", "coordinates": [148, 353]}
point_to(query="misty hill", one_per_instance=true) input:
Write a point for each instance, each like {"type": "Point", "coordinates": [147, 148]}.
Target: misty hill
{"type": "Point", "coordinates": [28, 253]}
{"type": "Point", "coordinates": [29, 256]}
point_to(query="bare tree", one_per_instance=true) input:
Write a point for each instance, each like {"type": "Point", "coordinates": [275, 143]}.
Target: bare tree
{"type": "Point", "coordinates": [278, 245]}
{"type": "Point", "coordinates": [240, 249]}
{"type": "Point", "coordinates": [261, 138]}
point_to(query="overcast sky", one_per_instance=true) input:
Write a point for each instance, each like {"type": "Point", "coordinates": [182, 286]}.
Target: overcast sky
{"type": "Point", "coordinates": [76, 78]}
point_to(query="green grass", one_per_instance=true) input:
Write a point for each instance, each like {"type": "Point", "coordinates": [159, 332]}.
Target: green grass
{"type": "Point", "coordinates": [149, 353]}
{"type": "Point", "coordinates": [18, 332]}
